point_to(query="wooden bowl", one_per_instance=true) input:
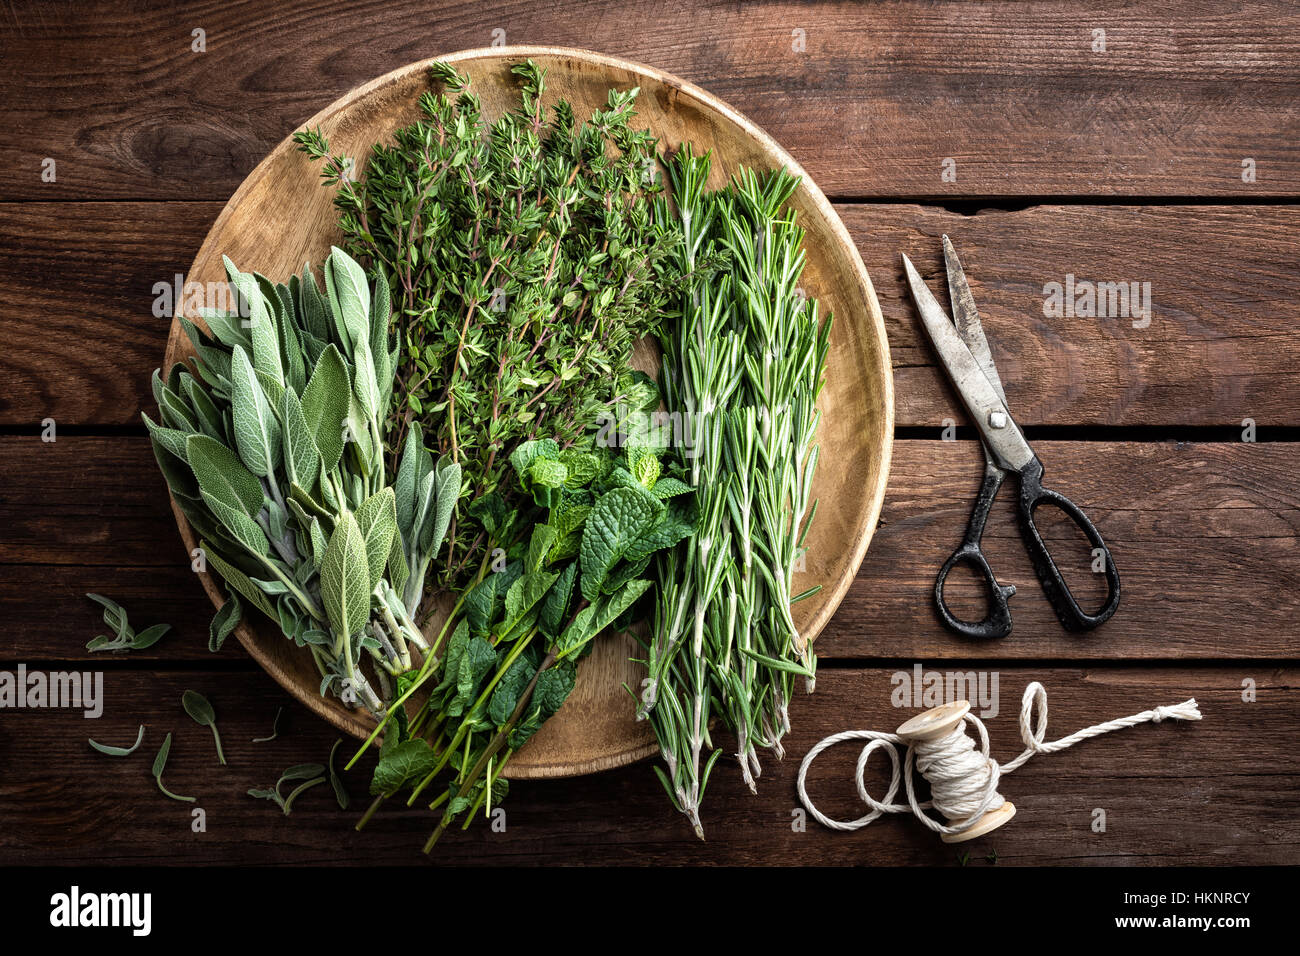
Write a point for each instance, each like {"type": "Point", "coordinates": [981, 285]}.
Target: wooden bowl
{"type": "Point", "coordinates": [281, 216]}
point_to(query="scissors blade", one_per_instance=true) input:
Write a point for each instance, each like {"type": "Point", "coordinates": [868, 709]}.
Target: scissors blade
{"type": "Point", "coordinates": [967, 318]}
{"type": "Point", "coordinates": [987, 409]}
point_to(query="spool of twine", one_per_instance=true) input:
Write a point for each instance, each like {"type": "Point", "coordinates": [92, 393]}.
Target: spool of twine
{"type": "Point", "coordinates": [963, 780]}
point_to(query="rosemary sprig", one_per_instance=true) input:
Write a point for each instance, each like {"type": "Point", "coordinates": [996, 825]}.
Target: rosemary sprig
{"type": "Point", "coordinates": [743, 368]}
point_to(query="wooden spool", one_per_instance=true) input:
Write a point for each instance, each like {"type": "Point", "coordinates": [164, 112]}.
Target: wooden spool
{"type": "Point", "coordinates": [940, 722]}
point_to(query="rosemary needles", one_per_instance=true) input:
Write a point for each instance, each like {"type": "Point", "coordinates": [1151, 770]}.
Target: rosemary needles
{"type": "Point", "coordinates": [743, 368]}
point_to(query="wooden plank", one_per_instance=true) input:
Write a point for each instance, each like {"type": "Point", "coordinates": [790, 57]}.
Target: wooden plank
{"type": "Point", "coordinates": [1221, 345]}
{"type": "Point", "coordinates": [78, 337]}
{"type": "Point", "coordinates": [1221, 791]}
{"type": "Point", "coordinates": [1217, 346]}
{"type": "Point", "coordinates": [872, 100]}
{"type": "Point", "coordinates": [1205, 536]}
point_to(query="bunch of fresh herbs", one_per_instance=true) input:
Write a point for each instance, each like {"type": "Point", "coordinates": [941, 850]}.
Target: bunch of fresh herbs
{"type": "Point", "coordinates": [528, 255]}
{"type": "Point", "coordinates": [272, 446]}
{"type": "Point", "coordinates": [743, 367]}
{"type": "Point", "coordinates": [595, 519]}
{"type": "Point", "coordinates": [526, 259]}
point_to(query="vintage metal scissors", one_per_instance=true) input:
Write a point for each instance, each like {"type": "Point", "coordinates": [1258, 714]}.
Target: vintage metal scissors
{"type": "Point", "coordinates": [965, 354]}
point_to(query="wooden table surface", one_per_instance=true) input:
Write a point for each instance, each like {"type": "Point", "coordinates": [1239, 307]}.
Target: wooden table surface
{"type": "Point", "coordinates": [1108, 143]}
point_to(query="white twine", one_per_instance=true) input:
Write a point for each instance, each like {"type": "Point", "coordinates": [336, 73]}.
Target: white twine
{"type": "Point", "coordinates": [963, 781]}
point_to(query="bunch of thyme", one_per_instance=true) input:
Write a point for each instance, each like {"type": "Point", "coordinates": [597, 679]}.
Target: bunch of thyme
{"type": "Point", "coordinates": [526, 261]}
{"type": "Point", "coordinates": [743, 367]}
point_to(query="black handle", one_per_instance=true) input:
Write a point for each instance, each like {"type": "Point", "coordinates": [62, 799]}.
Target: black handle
{"type": "Point", "coordinates": [997, 623]}
{"type": "Point", "coordinates": [1032, 495]}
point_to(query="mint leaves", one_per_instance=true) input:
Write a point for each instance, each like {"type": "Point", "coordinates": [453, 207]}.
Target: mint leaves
{"type": "Point", "coordinates": [617, 521]}
{"type": "Point", "coordinates": [574, 568]}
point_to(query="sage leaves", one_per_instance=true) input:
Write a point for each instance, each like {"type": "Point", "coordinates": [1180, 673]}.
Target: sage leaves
{"type": "Point", "coordinates": [197, 706]}
{"type": "Point", "coordinates": [425, 496]}
{"type": "Point", "coordinates": [311, 775]}
{"type": "Point", "coordinates": [124, 637]}
{"type": "Point", "coordinates": [275, 728]}
{"type": "Point", "coordinates": [272, 446]}
{"type": "Point", "coordinates": [324, 405]}
{"type": "Point", "coordinates": [345, 578]}
{"type": "Point", "coordinates": [120, 751]}
{"type": "Point", "coordinates": [160, 764]}
{"type": "Point", "coordinates": [225, 621]}
{"type": "Point", "coordinates": [336, 782]}
{"type": "Point", "coordinates": [257, 428]}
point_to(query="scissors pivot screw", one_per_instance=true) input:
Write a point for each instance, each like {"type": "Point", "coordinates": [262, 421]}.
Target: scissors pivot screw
{"type": "Point", "coordinates": [997, 419]}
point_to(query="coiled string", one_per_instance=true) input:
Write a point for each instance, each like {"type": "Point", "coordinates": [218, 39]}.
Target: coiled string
{"type": "Point", "coordinates": [963, 781]}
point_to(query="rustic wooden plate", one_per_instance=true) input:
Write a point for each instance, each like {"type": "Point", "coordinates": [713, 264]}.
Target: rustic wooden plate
{"type": "Point", "coordinates": [281, 217]}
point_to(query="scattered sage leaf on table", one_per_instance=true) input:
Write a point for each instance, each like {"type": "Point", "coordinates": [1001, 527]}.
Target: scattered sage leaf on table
{"type": "Point", "coordinates": [124, 636]}
{"type": "Point", "coordinates": [197, 706]}
{"type": "Point", "coordinates": [302, 771]}
{"type": "Point", "coordinates": [263, 793]}
{"type": "Point", "coordinates": [119, 751]}
{"type": "Point", "coordinates": [312, 773]}
{"type": "Point", "coordinates": [288, 801]}
{"type": "Point", "coordinates": [340, 793]}
{"type": "Point", "coordinates": [114, 614]}
{"type": "Point", "coordinates": [149, 636]}
{"type": "Point", "coordinates": [160, 764]}
{"type": "Point", "coordinates": [275, 728]}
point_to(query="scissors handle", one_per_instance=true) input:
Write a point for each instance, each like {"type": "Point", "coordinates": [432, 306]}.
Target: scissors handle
{"type": "Point", "coordinates": [1032, 495]}
{"type": "Point", "coordinates": [997, 623]}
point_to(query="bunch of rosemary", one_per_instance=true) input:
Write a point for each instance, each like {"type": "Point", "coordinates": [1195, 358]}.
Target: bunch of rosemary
{"type": "Point", "coordinates": [526, 261]}
{"type": "Point", "coordinates": [743, 366]}
{"type": "Point", "coordinates": [272, 447]}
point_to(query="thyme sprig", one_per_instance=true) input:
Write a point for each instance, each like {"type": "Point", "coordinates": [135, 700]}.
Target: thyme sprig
{"type": "Point", "coordinates": [526, 261]}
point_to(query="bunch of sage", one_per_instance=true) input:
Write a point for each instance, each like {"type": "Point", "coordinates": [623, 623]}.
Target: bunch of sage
{"type": "Point", "coordinates": [272, 446]}
{"type": "Point", "coordinates": [743, 368]}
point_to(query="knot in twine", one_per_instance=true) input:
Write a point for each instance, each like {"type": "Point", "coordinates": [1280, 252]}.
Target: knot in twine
{"type": "Point", "coordinates": [963, 780]}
